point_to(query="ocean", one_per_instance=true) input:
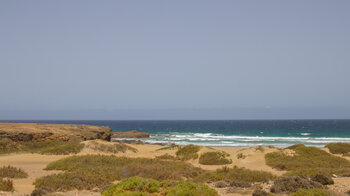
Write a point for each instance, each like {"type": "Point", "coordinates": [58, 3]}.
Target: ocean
{"type": "Point", "coordinates": [231, 133]}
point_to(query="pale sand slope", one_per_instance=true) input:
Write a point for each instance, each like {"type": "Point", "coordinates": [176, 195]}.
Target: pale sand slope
{"type": "Point", "coordinates": [34, 164]}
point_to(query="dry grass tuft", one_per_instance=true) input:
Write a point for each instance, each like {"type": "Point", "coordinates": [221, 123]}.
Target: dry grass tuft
{"type": "Point", "coordinates": [91, 171]}
{"type": "Point", "coordinates": [6, 185]}
{"type": "Point", "coordinates": [12, 172]}
{"type": "Point", "coordinates": [140, 186]}
{"type": "Point", "coordinates": [293, 183]}
{"type": "Point", "coordinates": [308, 161]}
{"type": "Point", "coordinates": [240, 156]}
{"type": "Point", "coordinates": [338, 148]}
{"type": "Point", "coordinates": [236, 174]}
{"type": "Point", "coordinates": [55, 147]}
{"type": "Point", "coordinates": [214, 158]}
{"type": "Point", "coordinates": [188, 152]}
{"type": "Point", "coordinates": [110, 147]}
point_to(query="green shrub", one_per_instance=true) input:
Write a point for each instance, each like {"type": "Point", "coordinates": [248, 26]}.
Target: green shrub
{"type": "Point", "coordinates": [134, 185]}
{"type": "Point", "coordinates": [12, 172]}
{"type": "Point", "coordinates": [89, 171]}
{"type": "Point", "coordinates": [110, 147]}
{"type": "Point", "coordinates": [236, 174]}
{"type": "Point", "coordinates": [338, 148]}
{"type": "Point", "coordinates": [6, 185]}
{"type": "Point", "coordinates": [190, 189]}
{"type": "Point", "coordinates": [140, 186]}
{"type": "Point", "coordinates": [188, 152]}
{"type": "Point", "coordinates": [240, 156]}
{"type": "Point", "coordinates": [214, 158]}
{"type": "Point", "coordinates": [310, 192]}
{"type": "Point", "coordinates": [55, 147]}
{"type": "Point", "coordinates": [308, 161]}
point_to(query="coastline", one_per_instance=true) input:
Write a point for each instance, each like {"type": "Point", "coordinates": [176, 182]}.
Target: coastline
{"type": "Point", "coordinates": [34, 164]}
{"type": "Point", "coordinates": [252, 160]}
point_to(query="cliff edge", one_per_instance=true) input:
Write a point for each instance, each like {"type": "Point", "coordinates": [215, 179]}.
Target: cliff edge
{"type": "Point", "coordinates": [22, 132]}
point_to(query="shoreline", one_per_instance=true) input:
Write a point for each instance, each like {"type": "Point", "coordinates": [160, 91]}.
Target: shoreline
{"type": "Point", "coordinates": [34, 164]}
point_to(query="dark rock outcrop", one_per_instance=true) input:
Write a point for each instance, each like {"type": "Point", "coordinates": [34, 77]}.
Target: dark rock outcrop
{"type": "Point", "coordinates": [24, 132]}
{"type": "Point", "coordinates": [130, 134]}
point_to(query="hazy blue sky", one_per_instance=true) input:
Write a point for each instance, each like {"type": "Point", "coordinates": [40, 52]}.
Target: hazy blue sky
{"type": "Point", "coordinates": [174, 59]}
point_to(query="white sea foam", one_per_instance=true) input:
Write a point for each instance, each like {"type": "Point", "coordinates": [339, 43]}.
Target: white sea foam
{"type": "Point", "coordinates": [210, 139]}
{"type": "Point", "coordinates": [305, 133]}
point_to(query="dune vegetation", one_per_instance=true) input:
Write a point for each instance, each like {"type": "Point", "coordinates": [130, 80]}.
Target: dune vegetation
{"type": "Point", "coordinates": [98, 171]}
{"type": "Point", "coordinates": [236, 174]}
{"type": "Point", "coordinates": [338, 148]}
{"type": "Point", "coordinates": [54, 147]}
{"type": "Point", "coordinates": [6, 185]}
{"type": "Point", "coordinates": [214, 158]}
{"type": "Point", "coordinates": [89, 171]}
{"type": "Point", "coordinates": [108, 147]}
{"type": "Point", "coordinates": [140, 186]}
{"type": "Point", "coordinates": [308, 161]}
{"type": "Point", "coordinates": [12, 172]}
{"type": "Point", "coordinates": [188, 152]}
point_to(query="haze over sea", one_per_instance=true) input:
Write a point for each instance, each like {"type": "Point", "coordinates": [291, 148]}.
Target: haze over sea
{"type": "Point", "coordinates": [231, 133]}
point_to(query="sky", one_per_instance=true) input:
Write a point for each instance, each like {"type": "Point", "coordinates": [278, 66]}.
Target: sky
{"type": "Point", "coordinates": [128, 60]}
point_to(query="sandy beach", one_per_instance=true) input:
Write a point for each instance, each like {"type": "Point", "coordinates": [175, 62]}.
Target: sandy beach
{"type": "Point", "coordinates": [34, 165]}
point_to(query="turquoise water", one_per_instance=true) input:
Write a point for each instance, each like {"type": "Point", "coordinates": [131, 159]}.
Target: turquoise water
{"type": "Point", "coordinates": [235, 133]}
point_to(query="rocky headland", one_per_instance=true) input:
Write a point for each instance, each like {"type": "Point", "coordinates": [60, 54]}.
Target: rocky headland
{"type": "Point", "coordinates": [24, 132]}
{"type": "Point", "coordinates": [130, 134]}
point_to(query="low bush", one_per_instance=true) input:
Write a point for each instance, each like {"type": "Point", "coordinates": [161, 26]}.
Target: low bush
{"type": "Point", "coordinates": [110, 147]}
{"type": "Point", "coordinates": [236, 174]}
{"type": "Point", "coordinates": [214, 158]}
{"type": "Point", "coordinates": [240, 156]}
{"type": "Point", "coordinates": [322, 179]}
{"type": "Point", "coordinates": [293, 183]}
{"type": "Point", "coordinates": [139, 186]}
{"type": "Point", "coordinates": [338, 148]}
{"type": "Point", "coordinates": [89, 171]}
{"type": "Point", "coordinates": [190, 189]}
{"type": "Point", "coordinates": [308, 161]}
{"type": "Point", "coordinates": [97, 171]}
{"type": "Point", "coordinates": [188, 152]}
{"type": "Point", "coordinates": [310, 192]}
{"type": "Point", "coordinates": [12, 172]}
{"type": "Point", "coordinates": [6, 185]}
